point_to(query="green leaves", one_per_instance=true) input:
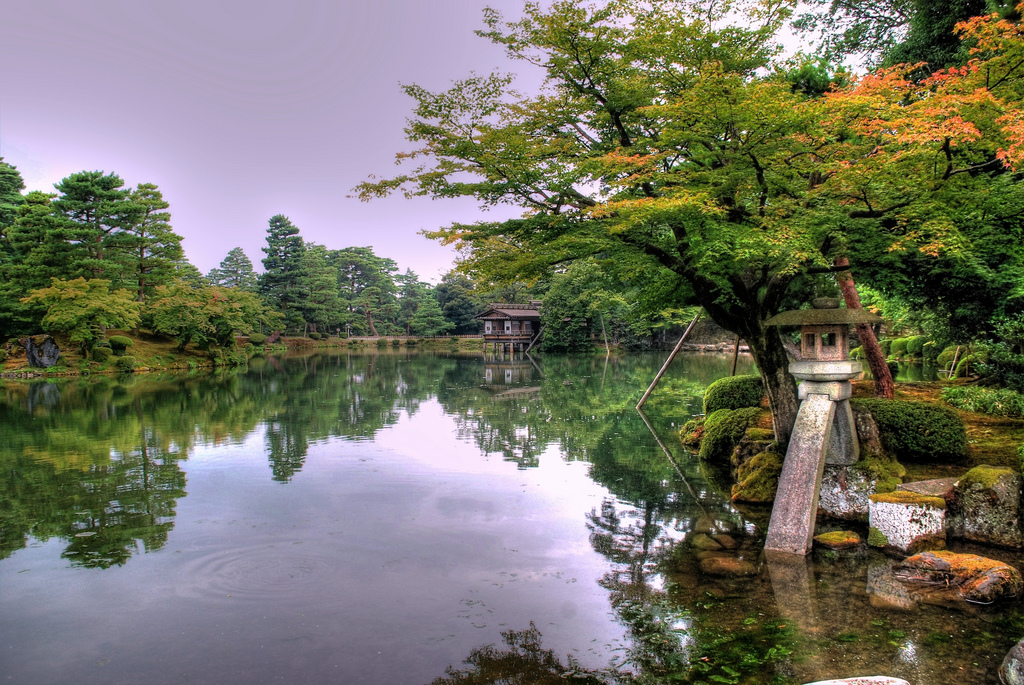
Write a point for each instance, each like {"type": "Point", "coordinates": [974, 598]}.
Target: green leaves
{"type": "Point", "coordinates": [83, 308]}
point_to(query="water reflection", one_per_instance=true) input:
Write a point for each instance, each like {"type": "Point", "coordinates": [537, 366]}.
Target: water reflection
{"type": "Point", "coordinates": [99, 468]}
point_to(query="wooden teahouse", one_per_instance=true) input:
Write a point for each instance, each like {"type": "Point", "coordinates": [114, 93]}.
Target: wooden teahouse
{"type": "Point", "coordinates": [513, 326]}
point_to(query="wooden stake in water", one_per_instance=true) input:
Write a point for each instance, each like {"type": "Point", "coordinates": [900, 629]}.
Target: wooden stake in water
{"type": "Point", "coordinates": [668, 361]}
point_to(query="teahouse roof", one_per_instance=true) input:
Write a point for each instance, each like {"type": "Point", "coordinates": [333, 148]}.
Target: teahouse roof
{"type": "Point", "coordinates": [502, 311]}
{"type": "Point", "coordinates": [823, 317]}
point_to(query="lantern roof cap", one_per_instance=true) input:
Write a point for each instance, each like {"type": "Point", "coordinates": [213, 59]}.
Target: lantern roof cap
{"type": "Point", "coordinates": [824, 312]}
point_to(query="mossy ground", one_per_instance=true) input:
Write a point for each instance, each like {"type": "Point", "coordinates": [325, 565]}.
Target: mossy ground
{"type": "Point", "coordinates": [990, 440]}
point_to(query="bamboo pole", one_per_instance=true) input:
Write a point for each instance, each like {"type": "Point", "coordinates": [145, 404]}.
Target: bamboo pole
{"type": "Point", "coordinates": [668, 361]}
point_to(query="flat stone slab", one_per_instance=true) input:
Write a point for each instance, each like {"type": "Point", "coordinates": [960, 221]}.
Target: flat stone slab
{"type": "Point", "coordinates": [864, 680]}
{"type": "Point", "coordinates": [932, 488]}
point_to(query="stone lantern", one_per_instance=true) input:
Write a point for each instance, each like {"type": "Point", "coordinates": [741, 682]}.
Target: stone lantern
{"type": "Point", "coordinates": [824, 429]}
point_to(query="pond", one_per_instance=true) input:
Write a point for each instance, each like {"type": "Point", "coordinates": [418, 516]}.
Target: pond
{"type": "Point", "coordinates": [418, 518]}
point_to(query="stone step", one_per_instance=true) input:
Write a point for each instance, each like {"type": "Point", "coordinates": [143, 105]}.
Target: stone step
{"type": "Point", "coordinates": [931, 488]}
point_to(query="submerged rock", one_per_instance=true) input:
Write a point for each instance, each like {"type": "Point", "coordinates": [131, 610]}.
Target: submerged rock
{"type": "Point", "coordinates": [984, 507]}
{"type": "Point", "coordinates": [727, 567]}
{"type": "Point", "coordinates": [1011, 671]}
{"type": "Point", "coordinates": [838, 539]}
{"type": "Point", "coordinates": [972, 577]}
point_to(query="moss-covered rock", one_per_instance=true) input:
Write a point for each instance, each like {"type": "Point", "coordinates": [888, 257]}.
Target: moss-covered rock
{"type": "Point", "coordinates": [735, 392]}
{"type": "Point", "coordinates": [723, 430]}
{"type": "Point", "coordinates": [839, 539]}
{"type": "Point", "coordinates": [945, 357]}
{"type": "Point", "coordinates": [985, 507]}
{"type": "Point", "coordinates": [918, 430]}
{"type": "Point", "coordinates": [692, 432]}
{"type": "Point", "coordinates": [758, 479]}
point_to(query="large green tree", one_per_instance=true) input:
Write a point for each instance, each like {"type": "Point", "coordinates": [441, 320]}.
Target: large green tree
{"type": "Point", "coordinates": [664, 143]}
{"type": "Point", "coordinates": [84, 309]}
{"type": "Point", "coordinates": [366, 286]}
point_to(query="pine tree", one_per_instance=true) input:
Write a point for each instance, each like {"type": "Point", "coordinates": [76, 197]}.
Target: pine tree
{"type": "Point", "coordinates": [147, 246]}
{"type": "Point", "coordinates": [235, 271]}
{"type": "Point", "coordinates": [282, 268]}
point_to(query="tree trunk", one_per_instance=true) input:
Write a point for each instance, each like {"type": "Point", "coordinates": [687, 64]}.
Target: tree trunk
{"type": "Point", "coordinates": [771, 359]}
{"type": "Point", "coordinates": [369, 322]}
{"type": "Point", "coordinates": [884, 386]}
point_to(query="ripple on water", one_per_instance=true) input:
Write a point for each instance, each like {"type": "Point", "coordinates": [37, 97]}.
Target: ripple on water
{"type": "Point", "coordinates": [255, 572]}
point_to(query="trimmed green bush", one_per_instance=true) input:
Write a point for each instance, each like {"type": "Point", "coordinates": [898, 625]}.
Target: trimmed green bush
{"type": "Point", "coordinates": [396, 342]}
{"type": "Point", "coordinates": [993, 401]}
{"type": "Point", "coordinates": [918, 430]}
{"type": "Point", "coordinates": [857, 353]}
{"type": "Point", "coordinates": [313, 335]}
{"type": "Point", "coordinates": [120, 343]}
{"type": "Point", "coordinates": [723, 430]}
{"type": "Point", "coordinates": [735, 392]}
{"type": "Point", "coordinates": [898, 348]}
{"type": "Point", "coordinates": [945, 357]}
{"type": "Point", "coordinates": [257, 338]}
{"type": "Point", "coordinates": [915, 345]}
{"type": "Point", "coordinates": [101, 354]}
{"type": "Point", "coordinates": [126, 364]}
{"type": "Point", "coordinates": [382, 342]}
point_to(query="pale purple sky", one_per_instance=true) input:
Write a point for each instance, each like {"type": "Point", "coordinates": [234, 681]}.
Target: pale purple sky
{"type": "Point", "coordinates": [239, 110]}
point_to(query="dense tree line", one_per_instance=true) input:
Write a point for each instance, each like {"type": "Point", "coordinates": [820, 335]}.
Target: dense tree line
{"type": "Point", "coordinates": [96, 255]}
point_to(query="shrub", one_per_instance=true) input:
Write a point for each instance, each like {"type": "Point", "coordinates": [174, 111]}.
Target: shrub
{"type": "Point", "coordinates": [886, 345]}
{"type": "Point", "coordinates": [126, 364]}
{"type": "Point", "coordinates": [101, 354]}
{"type": "Point", "coordinates": [857, 353]}
{"type": "Point", "coordinates": [735, 392]}
{"type": "Point", "coordinates": [723, 430]}
{"type": "Point", "coordinates": [3, 355]}
{"type": "Point", "coordinates": [915, 345]}
{"type": "Point", "coordinates": [313, 335]}
{"type": "Point", "coordinates": [945, 357]}
{"type": "Point", "coordinates": [257, 338]}
{"type": "Point", "coordinates": [918, 430]}
{"type": "Point", "coordinates": [396, 342]}
{"type": "Point", "coordinates": [120, 343]}
{"type": "Point", "coordinates": [899, 347]}
{"type": "Point", "coordinates": [382, 342]}
{"type": "Point", "coordinates": [963, 367]}
{"type": "Point", "coordinates": [412, 342]}
{"type": "Point", "coordinates": [996, 402]}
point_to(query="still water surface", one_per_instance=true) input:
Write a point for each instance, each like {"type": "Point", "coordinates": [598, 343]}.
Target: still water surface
{"type": "Point", "coordinates": [384, 518]}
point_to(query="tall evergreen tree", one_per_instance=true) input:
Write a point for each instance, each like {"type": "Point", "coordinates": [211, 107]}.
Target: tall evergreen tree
{"type": "Point", "coordinates": [318, 290]}
{"type": "Point", "coordinates": [235, 271]}
{"type": "Point", "coordinates": [95, 208]}
{"type": "Point", "coordinates": [11, 185]}
{"type": "Point", "coordinates": [282, 268]}
{"type": "Point", "coordinates": [148, 245]}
